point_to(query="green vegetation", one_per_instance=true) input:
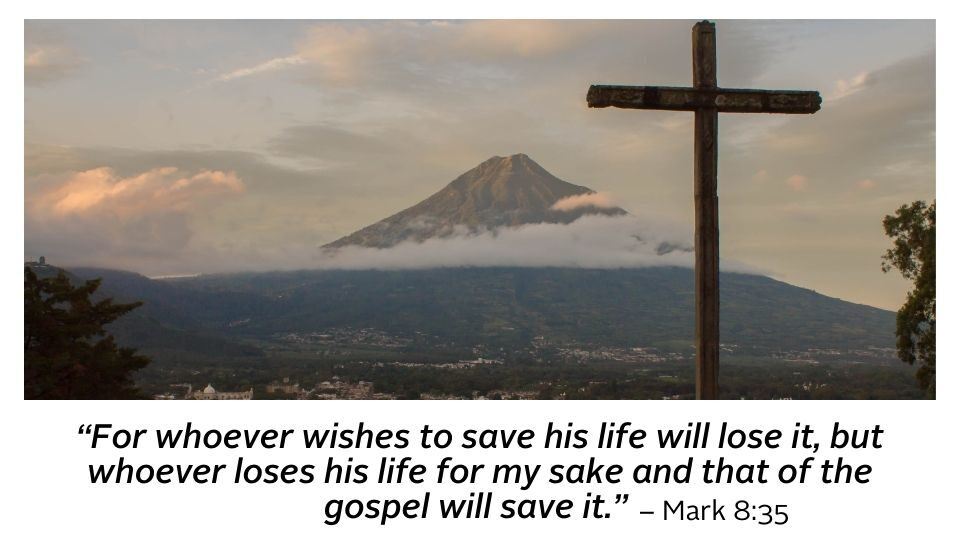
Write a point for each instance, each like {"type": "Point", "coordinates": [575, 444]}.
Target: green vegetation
{"type": "Point", "coordinates": [508, 307]}
{"type": "Point", "coordinates": [67, 352]}
{"type": "Point", "coordinates": [549, 333]}
{"type": "Point", "coordinates": [914, 253]}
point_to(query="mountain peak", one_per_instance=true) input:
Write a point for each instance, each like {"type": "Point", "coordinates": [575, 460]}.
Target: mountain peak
{"type": "Point", "coordinates": [499, 192]}
{"type": "Point", "coordinates": [515, 158]}
{"type": "Point", "coordinates": [515, 167]}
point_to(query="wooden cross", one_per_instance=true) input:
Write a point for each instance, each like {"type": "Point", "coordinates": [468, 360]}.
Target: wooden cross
{"type": "Point", "coordinates": [705, 99]}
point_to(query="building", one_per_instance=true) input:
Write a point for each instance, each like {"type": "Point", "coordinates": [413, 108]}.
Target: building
{"type": "Point", "coordinates": [210, 393]}
{"type": "Point", "coordinates": [283, 387]}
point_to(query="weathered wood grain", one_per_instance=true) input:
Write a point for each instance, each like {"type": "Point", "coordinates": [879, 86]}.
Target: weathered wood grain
{"type": "Point", "coordinates": [707, 225]}
{"type": "Point", "coordinates": [726, 100]}
{"type": "Point", "coordinates": [706, 100]}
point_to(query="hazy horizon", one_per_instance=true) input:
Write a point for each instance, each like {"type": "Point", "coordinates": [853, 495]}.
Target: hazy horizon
{"type": "Point", "coordinates": [182, 147]}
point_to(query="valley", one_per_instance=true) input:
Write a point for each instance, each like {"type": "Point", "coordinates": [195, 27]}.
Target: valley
{"type": "Point", "coordinates": [619, 327]}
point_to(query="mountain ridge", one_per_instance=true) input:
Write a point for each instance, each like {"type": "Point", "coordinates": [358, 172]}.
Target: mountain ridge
{"type": "Point", "coordinates": [499, 192]}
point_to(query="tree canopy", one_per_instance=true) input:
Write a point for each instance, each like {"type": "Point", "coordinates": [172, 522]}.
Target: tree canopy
{"type": "Point", "coordinates": [913, 230]}
{"type": "Point", "coordinates": [67, 352]}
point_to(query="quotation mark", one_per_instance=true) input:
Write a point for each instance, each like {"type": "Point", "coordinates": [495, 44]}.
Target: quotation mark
{"type": "Point", "coordinates": [621, 498]}
{"type": "Point", "coordinates": [85, 429]}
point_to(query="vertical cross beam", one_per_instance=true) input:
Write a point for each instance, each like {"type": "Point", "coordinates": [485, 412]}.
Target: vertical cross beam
{"type": "Point", "coordinates": [707, 227]}
{"type": "Point", "coordinates": [706, 100]}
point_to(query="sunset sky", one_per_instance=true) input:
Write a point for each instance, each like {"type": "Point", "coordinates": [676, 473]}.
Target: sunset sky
{"type": "Point", "coordinates": [184, 147]}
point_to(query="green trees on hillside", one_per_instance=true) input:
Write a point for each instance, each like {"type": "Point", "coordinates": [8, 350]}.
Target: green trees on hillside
{"type": "Point", "coordinates": [67, 352]}
{"type": "Point", "coordinates": [913, 230]}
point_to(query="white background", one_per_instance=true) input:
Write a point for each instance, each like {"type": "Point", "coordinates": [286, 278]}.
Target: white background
{"type": "Point", "coordinates": [909, 493]}
{"type": "Point", "coordinates": [44, 479]}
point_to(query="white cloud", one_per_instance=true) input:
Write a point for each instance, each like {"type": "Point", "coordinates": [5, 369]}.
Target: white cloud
{"type": "Point", "coordinates": [414, 105]}
{"type": "Point", "coordinates": [595, 200]}
{"type": "Point", "coordinates": [403, 51]}
{"type": "Point", "coordinates": [590, 242]}
{"type": "Point", "coordinates": [99, 217]}
{"type": "Point", "coordinates": [275, 64]}
{"type": "Point", "coordinates": [164, 189]}
{"type": "Point", "coordinates": [848, 87]}
{"type": "Point", "coordinates": [343, 54]}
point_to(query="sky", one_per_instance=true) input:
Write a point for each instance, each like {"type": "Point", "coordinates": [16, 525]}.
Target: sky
{"type": "Point", "coordinates": [179, 147]}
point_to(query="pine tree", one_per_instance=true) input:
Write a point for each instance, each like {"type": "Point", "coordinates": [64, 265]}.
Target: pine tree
{"type": "Point", "coordinates": [67, 352]}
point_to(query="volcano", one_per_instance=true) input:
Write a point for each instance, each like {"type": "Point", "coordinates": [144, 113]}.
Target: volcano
{"type": "Point", "coordinates": [500, 192]}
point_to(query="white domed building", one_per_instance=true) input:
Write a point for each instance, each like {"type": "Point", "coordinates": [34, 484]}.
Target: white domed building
{"type": "Point", "coordinates": [210, 393]}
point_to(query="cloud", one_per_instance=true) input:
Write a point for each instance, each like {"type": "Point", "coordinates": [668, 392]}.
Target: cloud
{"type": "Point", "coordinates": [333, 52]}
{"type": "Point", "coordinates": [161, 190]}
{"type": "Point", "coordinates": [382, 114]}
{"type": "Point", "coordinates": [891, 120]}
{"type": "Point", "coordinates": [524, 38]}
{"type": "Point", "coordinates": [414, 55]}
{"type": "Point", "coordinates": [97, 216]}
{"type": "Point", "coordinates": [798, 182]}
{"type": "Point", "coordinates": [332, 143]}
{"type": "Point", "coordinates": [186, 219]}
{"type": "Point", "coordinates": [280, 216]}
{"type": "Point", "coordinates": [885, 133]}
{"type": "Point", "coordinates": [275, 64]}
{"type": "Point", "coordinates": [848, 87]}
{"type": "Point", "coordinates": [866, 184]}
{"type": "Point", "coordinates": [595, 200]}
{"type": "Point", "coordinates": [48, 63]}
{"type": "Point", "coordinates": [342, 53]}
{"type": "Point", "coordinates": [589, 242]}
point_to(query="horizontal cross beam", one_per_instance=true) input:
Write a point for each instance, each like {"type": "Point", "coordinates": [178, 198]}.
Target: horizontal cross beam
{"type": "Point", "coordinates": [729, 100]}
